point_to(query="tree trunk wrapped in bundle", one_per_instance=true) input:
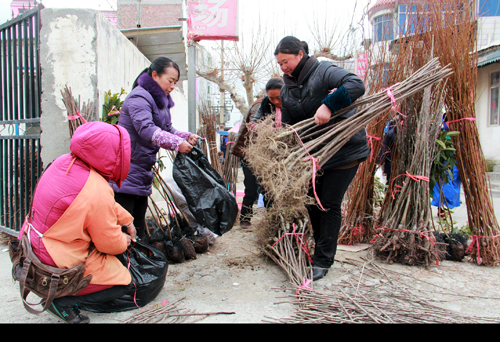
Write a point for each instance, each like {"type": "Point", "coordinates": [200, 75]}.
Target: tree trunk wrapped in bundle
{"type": "Point", "coordinates": [456, 44]}
{"type": "Point", "coordinates": [361, 200]}
{"type": "Point", "coordinates": [405, 223]}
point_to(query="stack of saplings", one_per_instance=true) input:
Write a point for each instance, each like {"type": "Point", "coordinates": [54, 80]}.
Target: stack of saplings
{"type": "Point", "coordinates": [169, 230]}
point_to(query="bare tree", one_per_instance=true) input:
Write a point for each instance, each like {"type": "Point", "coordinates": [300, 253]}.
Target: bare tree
{"type": "Point", "coordinates": [207, 69]}
{"type": "Point", "coordinates": [249, 56]}
{"type": "Point", "coordinates": [330, 41]}
{"type": "Point", "coordinates": [244, 63]}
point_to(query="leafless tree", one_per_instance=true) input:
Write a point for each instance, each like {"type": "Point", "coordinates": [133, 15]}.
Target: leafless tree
{"type": "Point", "coordinates": [331, 38]}
{"type": "Point", "coordinates": [243, 63]}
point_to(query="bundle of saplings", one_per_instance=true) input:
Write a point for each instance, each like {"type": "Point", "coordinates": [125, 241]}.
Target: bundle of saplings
{"type": "Point", "coordinates": [173, 235]}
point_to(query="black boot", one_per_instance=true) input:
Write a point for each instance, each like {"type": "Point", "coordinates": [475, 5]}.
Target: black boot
{"type": "Point", "coordinates": [319, 273]}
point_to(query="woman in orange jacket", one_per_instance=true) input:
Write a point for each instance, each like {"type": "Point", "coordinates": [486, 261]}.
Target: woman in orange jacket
{"type": "Point", "coordinates": [74, 211]}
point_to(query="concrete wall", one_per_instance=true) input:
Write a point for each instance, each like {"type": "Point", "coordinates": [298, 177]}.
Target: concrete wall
{"type": "Point", "coordinates": [81, 48]}
{"type": "Point", "coordinates": [148, 13]}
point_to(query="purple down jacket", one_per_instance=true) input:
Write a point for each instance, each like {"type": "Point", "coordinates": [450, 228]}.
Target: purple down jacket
{"type": "Point", "coordinates": [145, 111]}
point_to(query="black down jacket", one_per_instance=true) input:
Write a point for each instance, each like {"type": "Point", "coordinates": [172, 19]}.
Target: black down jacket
{"type": "Point", "coordinates": [300, 101]}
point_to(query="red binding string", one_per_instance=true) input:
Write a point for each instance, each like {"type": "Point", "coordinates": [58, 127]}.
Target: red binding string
{"type": "Point", "coordinates": [78, 115]}
{"type": "Point", "coordinates": [407, 174]}
{"type": "Point", "coordinates": [300, 242]}
{"type": "Point", "coordinates": [421, 234]}
{"type": "Point", "coordinates": [305, 285]}
{"type": "Point", "coordinates": [475, 239]}
{"type": "Point", "coordinates": [135, 286]}
{"type": "Point", "coordinates": [395, 107]}
{"type": "Point", "coordinates": [370, 140]}
{"type": "Point", "coordinates": [470, 119]}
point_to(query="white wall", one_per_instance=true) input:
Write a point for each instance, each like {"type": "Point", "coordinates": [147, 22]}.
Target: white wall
{"type": "Point", "coordinates": [489, 136]}
{"type": "Point", "coordinates": [488, 31]}
{"type": "Point", "coordinates": [81, 48]}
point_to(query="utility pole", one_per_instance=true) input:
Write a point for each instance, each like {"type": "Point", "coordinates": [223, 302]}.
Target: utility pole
{"type": "Point", "coordinates": [222, 101]}
{"type": "Point", "coordinates": [192, 87]}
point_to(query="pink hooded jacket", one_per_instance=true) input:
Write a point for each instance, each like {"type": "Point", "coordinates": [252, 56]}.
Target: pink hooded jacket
{"type": "Point", "coordinates": [74, 207]}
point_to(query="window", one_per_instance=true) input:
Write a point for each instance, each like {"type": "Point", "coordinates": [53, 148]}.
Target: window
{"type": "Point", "coordinates": [382, 28]}
{"type": "Point", "coordinates": [494, 97]}
{"type": "Point", "coordinates": [489, 8]}
{"type": "Point", "coordinates": [412, 19]}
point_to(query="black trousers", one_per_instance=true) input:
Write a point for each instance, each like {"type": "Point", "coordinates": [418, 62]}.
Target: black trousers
{"type": "Point", "coordinates": [251, 192]}
{"type": "Point", "coordinates": [136, 206]}
{"type": "Point", "coordinates": [104, 296]}
{"type": "Point", "coordinates": [331, 187]}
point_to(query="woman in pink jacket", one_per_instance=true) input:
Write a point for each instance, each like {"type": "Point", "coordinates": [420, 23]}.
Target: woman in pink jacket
{"type": "Point", "coordinates": [74, 210]}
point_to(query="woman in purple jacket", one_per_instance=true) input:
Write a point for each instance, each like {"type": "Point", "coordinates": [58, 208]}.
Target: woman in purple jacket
{"type": "Point", "coordinates": [145, 114]}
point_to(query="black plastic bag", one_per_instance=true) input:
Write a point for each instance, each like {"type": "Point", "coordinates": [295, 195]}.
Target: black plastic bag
{"type": "Point", "coordinates": [148, 267]}
{"type": "Point", "coordinates": [213, 206]}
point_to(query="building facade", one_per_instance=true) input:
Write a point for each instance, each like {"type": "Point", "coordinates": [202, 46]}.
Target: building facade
{"type": "Point", "coordinates": [393, 19]}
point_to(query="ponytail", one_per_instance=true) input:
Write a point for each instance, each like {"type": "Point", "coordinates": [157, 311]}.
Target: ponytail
{"type": "Point", "coordinates": [159, 65]}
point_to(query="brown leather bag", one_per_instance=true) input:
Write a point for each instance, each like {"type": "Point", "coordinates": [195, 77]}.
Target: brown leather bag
{"type": "Point", "coordinates": [43, 280]}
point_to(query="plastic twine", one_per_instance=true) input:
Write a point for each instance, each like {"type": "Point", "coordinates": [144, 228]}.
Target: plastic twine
{"type": "Point", "coordinates": [393, 100]}
{"type": "Point", "coordinates": [370, 140]}
{"type": "Point", "coordinates": [78, 115]}
{"type": "Point", "coordinates": [305, 285]}
{"type": "Point", "coordinates": [475, 239]}
{"type": "Point", "coordinates": [470, 119]}
{"type": "Point", "coordinates": [407, 174]}
{"type": "Point", "coordinates": [421, 234]}
{"type": "Point", "coordinates": [300, 242]}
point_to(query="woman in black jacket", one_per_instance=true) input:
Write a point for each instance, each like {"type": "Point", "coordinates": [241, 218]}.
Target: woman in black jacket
{"type": "Point", "coordinates": [319, 89]}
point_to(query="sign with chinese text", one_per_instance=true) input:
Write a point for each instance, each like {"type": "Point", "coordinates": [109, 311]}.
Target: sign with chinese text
{"type": "Point", "coordinates": [361, 65]}
{"type": "Point", "coordinates": [212, 20]}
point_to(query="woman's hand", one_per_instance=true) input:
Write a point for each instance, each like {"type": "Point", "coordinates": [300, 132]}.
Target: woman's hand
{"type": "Point", "coordinates": [193, 139]}
{"type": "Point", "coordinates": [185, 147]}
{"type": "Point", "coordinates": [323, 115]}
{"type": "Point", "coordinates": [132, 231]}
{"type": "Point", "coordinates": [130, 234]}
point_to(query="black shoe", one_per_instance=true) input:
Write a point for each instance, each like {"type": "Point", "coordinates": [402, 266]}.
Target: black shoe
{"type": "Point", "coordinates": [66, 314]}
{"type": "Point", "coordinates": [246, 225]}
{"type": "Point", "coordinates": [319, 273]}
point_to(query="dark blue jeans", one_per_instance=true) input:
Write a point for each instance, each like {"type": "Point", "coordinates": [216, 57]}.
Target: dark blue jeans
{"type": "Point", "coordinates": [330, 188]}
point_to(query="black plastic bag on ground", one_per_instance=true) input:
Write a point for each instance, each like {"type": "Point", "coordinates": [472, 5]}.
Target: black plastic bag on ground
{"type": "Point", "coordinates": [213, 206]}
{"type": "Point", "coordinates": [148, 267]}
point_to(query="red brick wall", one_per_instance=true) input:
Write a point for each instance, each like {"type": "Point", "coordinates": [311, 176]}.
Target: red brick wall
{"type": "Point", "coordinates": [151, 15]}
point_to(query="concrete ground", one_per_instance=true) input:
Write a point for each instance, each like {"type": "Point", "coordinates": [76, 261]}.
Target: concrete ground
{"type": "Point", "coordinates": [233, 277]}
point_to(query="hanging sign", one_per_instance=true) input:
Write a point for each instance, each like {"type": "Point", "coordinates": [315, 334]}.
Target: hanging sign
{"type": "Point", "coordinates": [212, 20]}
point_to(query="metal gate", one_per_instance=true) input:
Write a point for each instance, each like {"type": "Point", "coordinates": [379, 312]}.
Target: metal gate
{"type": "Point", "coordinates": [20, 164]}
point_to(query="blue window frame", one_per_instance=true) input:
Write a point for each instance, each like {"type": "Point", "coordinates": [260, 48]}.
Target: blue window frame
{"type": "Point", "coordinates": [383, 28]}
{"type": "Point", "coordinates": [412, 19]}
